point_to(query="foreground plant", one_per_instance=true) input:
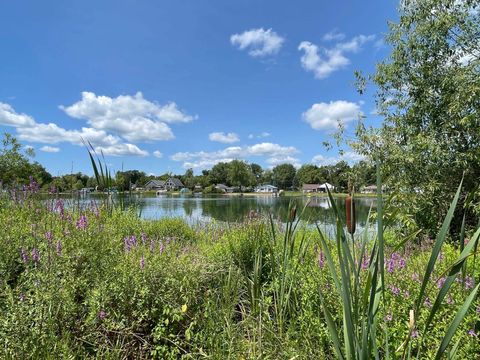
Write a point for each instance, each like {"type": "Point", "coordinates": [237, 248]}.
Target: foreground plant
{"type": "Point", "coordinates": [363, 297]}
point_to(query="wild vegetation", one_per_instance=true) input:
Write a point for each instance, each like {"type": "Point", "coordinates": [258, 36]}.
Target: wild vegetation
{"type": "Point", "coordinates": [98, 282]}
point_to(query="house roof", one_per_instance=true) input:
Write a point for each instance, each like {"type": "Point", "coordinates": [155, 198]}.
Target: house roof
{"type": "Point", "coordinates": [311, 186]}
{"type": "Point", "coordinates": [326, 185]}
{"type": "Point", "coordinates": [155, 183]}
{"type": "Point", "coordinates": [176, 182]}
{"type": "Point", "coordinates": [267, 186]}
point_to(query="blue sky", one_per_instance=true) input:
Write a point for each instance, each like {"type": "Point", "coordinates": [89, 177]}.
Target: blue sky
{"type": "Point", "coordinates": [166, 85]}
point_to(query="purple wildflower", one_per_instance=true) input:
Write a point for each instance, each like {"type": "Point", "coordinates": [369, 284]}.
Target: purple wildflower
{"type": "Point", "coordinates": [395, 290]}
{"type": "Point", "coordinates": [472, 333]}
{"type": "Point", "coordinates": [24, 255]}
{"type": "Point", "coordinates": [162, 247]}
{"type": "Point", "coordinates": [390, 265]}
{"type": "Point", "coordinates": [365, 263]}
{"type": "Point", "coordinates": [401, 263]}
{"type": "Point", "coordinates": [450, 300]}
{"type": "Point", "coordinates": [427, 302]}
{"type": "Point", "coordinates": [102, 315]}
{"type": "Point", "coordinates": [142, 262]}
{"type": "Point", "coordinates": [469, 282]}
{"type": "Point", "coordinates": [321, 259]}
{"type": "Point", "coordinates": [152, 245]}
{"type": "Point", "coordinates": [388, 317]}
{"type": "Point", "coordinates": [21, 297]}
{"type": "Point", "coordinates": [415, 277]}
{"type": "Point", "coordinates": [82, 222]}
{"type": "Point", "coordinates": [441, 282]}
{"type": "Point", "coordinates": [414, 334]}
{"type": "Point", "coordinates": [35, 255]}
{"type": "Point", "coordinates": [406, 294]}
{"type": "Point", "coordinates": [58, 248]}
{"type": "Point", "coordinates": [144, 238]}
{"type": "Point", "coordinates": [49, 237]}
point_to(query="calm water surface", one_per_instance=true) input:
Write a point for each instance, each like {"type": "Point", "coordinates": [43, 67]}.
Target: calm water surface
{"type": "Point", "coordinates": [228, 209]}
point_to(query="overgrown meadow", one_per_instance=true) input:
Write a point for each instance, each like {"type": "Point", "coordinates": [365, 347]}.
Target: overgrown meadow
{"type": "Point", "coordinates": [97, 282]}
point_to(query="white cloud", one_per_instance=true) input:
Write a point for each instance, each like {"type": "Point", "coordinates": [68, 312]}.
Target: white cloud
{"type": "Point", "coordinates": [323, 62]}
{"type": "Point", "coordinates": [157, 154]}
{"type": "Point", "coordinates": [328, 115]}
{"type": "Point", "coordinates": [273, 153]}
{"type": "Point", "coordinates": [50, 149]}
{"type": "Point", "coordinates": [259, 42]}
{"type": "Point", "coordinates": [348, 156]}
{"type": "Point", "coordinates": [278, 160]}
{"type": "Point", "coordinates": [8, 116]}
{"type": "Point", "coordinates": [121, 150]}
{"type": "Point", "coordinates": [30, 130]}
{"type": "Point", "coordinates": [132, 117]}
{"type": "Point", "coordinates": [224, 138]}
{"type": "Point", "coordinates": [333, 35]}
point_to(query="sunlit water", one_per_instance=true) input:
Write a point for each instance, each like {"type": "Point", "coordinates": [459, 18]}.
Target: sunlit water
{"type": "Point", "coordinates": [205, 209]}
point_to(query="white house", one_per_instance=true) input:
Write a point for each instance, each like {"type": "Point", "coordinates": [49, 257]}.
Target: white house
{"type": "Point", "coordinates": [323, 187]}
{"type": "Point", "coordinates": [266, 189]}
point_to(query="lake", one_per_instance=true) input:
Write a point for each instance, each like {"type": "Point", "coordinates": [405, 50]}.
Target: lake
{"type": "Point", "coordinates": [229, 209]}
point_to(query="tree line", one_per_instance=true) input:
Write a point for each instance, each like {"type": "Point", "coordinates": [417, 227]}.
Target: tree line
{"type": "Point", "coordinates": [16, 167]}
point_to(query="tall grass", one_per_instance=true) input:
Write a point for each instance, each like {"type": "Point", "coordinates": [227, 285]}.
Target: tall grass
{"type": "Point", "coordinates": [358, 336]}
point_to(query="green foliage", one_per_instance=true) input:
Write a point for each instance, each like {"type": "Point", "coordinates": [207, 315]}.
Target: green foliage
{"type": "Point", "coordinates": [428, 93]}
{"type": "Point", "coordinates": [283, 175]}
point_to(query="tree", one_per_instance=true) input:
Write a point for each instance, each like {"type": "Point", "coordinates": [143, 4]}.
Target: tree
{"type": "Point", "coordinates": [257, 172]}
{"type": "Point", "coordinates": [283, 175]}
{"type": "Point", "coordinates": [428, 92]}
{"type": "Point", "coordinates": [307, 174]}
{"type": "Point", "coordinates": [15, 166]}
{"type": "Point", "coordinates": [239, 174]}
{"type": "Point", "coordinates": [219, 173]}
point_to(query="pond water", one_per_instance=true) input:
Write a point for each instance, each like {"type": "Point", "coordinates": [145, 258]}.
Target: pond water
{"type": "Point", "coordinates": [228, 209]}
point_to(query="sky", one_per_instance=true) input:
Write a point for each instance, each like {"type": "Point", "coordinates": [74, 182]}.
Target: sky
{"type": "Point", "coordinates": [163, 86]}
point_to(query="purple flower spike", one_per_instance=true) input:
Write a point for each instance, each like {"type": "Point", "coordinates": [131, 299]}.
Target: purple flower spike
{"type": "Point", "coordinates": [58, 248]}
{"type": "Point", "coordinates": [144, 238]}
{"type": "Point", "coordinates": [142, 262]}
{"type": "Point", "coordinates": [82, 222]}
{"type": "Point", "coordinates": [24, 255]}
{"type": "Point", "coordinates": [35, 255]}
{"type": "Point", "coordinates": [321, 259]}
{"type": "Point", "coordinates": [49, 237]}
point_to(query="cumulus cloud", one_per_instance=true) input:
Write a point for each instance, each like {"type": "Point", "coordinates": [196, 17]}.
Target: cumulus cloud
{"type": "Point", "coordinates": [323, 62]}
{"type": "Point", "coordinates": [273, 153]}
{"type": "Point", "coordinates": [49, 149]}
{"type": "Point", "coordinates": [157, 154]}
{"type": "Point", "coordinates": [258, 42]}
{"type": "Point", "coordinates": [122, 150]}
{"type": "Point", "coordinates": [9, 117]}
{"type": "Point", "coordinates": [348, 156]}
{"type": "Point", "coordinates": [132, 117]}
{"type": "Point", "coordinates": [224, 138]}
{"type": "Point", "coordinates": [328, 115]}
{"type": "Point", "coordinates": [30, 130]}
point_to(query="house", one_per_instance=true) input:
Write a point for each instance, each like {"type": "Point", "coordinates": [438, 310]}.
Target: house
{"type": "Point", "coordinates": [174, 184]}
{"type": "Point", "coordinates": [266, 189]}
{"type": "Point", "coordinates": [326, 186]}
{"type": "Point", "coordinates": [371, 189]}
{"type": "Point", "coordinates": [155, 185]}
{"type": "Point", "coordinates": [309, 188]}
{"type": "Point", "coordinates": [224, 188]}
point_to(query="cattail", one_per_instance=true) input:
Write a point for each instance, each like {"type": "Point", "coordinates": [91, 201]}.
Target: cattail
{"type": "Point", "coordinates": [293, 213]}
{"type": "Point", "coordinates": [350, 214]}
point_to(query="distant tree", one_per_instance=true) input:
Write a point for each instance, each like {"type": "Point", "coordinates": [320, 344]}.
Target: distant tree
{"type": "Point", "coordinates": [257, 172]}
{"type": "Point", "coordinates": [307, 174]}
{"type": "Point", "coordinates": [283, 175]}
{"type": "Point", "coordinates": [219, 173]}
{"type": "Point", "coordinates": [188, 179]}
{"type": "Point", "coordinates": [239, 174]}
{"type": "Point", "coordinates": [267, 177]}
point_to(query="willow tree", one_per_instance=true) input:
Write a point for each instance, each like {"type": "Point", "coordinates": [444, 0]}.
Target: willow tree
{"type": "Point", "coordinates": [428, 93]}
